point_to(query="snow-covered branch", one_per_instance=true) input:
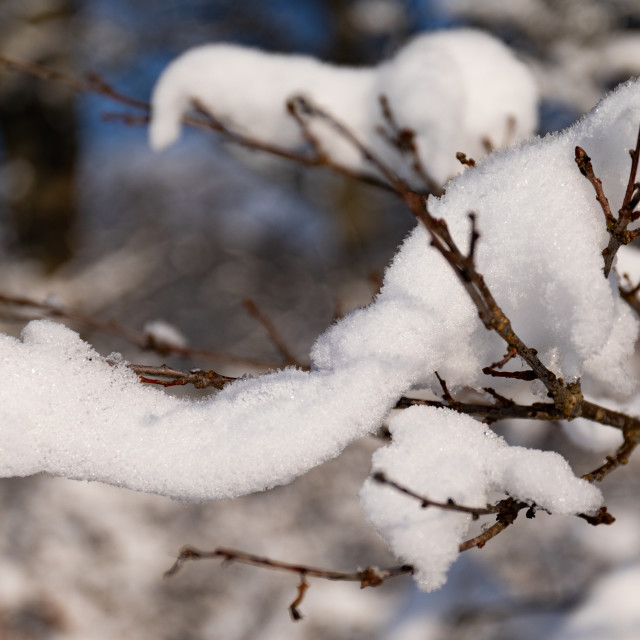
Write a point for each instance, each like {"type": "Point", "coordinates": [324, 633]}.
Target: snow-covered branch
{"type": "Point", "coordinates": [501, 278]}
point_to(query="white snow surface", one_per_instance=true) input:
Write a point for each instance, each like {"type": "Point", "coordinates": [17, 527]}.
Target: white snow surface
{"type": "Point", "coordinates": [66, 411]}
{"type": "Point", "coordinates": [444, 455]}
{"type": "Point", "coordinates": [455, 89]}
{"type": "Point", "coordinates": [86, 419]}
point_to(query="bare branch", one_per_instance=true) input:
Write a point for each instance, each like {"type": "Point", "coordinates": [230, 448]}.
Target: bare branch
{"type": "Point", "coordinates": [91, 84]}
{"type": "Point", "coordinates": [404, 140]}
{"type": "Point", "coordinates": [369, 577]}
{"type": "Point", "coordinates": [621, 458]}
{"type": "Point", "coordinates": [199, 379]}
{"type": "Point", "coordinates": [449, 505]}
{"type": "Point", "coordinates": [586, 169]}
{"type": "Point", "coordinates": [619, 235]}
{"type": "Point", "coordinates": [212, 123]}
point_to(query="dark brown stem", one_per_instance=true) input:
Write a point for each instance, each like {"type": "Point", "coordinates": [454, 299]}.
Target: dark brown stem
{"type": "Point", "coordinates": [293, 607]}
{"type": "Point", "coordinates": [211, 123]}
{"type": "Point", "coordinates": [620, 458]}
{"type": "Point", "coordinates": [446, 394]}
{"type": "Point", "coordinates": [449, 505]}
{"type": "Point", "coordinates": [619, 235]}
{"type": "Point", "coordinates": [481, 539]}
{"type": "Point", "coordinates": [586, 169]}
{"type": "Point", "coordinates": [404, 140]}
{"type": "Point", "coordinates": [369, 577]}
{"type": "Point", "coordinates": [176, 377]}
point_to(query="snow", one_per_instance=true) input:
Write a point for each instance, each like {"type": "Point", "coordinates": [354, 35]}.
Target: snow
{"type": "Point", "coordinates": [90, 420]}
{"type": "Point", "coordinates": [66, 411]}
{"type": "Point", "coordinates": [164, 335]}
{"type": "Point", "coordinates": [444, 455]}
{"type": "Point", "coordinates": [454, 89]}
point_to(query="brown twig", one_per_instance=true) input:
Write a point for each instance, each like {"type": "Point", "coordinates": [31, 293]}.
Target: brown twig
{"type": "Point", "coordinates": [404, 140]}
{"type": "Point", "coordinates": [586, 169]}
{"type": "Point", "coordinates": [567, 397]}
{"type": "Point", "coordinates": [619, 235]}
{"type": "Point", "coordinates": [95, 85]}
{"type": "Point", "coordinates": [212, 123]}
{"type": "Point", "coordinates": [293, 607]}
{"type": "Point", "coordinates": [446, 394]}
{"type": "Point", "coordinates": [508, 410]}
{"type": "Point", "coordinates": [92, 83]}
{"type": "Point", "coordinates": [314, 144]}
{"type": "Point", "coordinates": [369, 577]}
{"type": "Point", "coordinates": [620, 458]}
{"type": "Point", "coordinates": [464, 160]}
{"type": "Point", "coordinates": [449, 505]}
{"type": "Point", "coordinates": [602, 517]}
{"type": "Point", "coordinates": [176, 377]}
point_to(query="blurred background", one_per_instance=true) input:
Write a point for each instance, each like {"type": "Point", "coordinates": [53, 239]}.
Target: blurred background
{"type": "Point", "coordinates": [92, 221]}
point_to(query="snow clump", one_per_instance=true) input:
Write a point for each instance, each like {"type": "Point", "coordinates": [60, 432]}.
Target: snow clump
{"type": "Point", "coordinates": [456, 89]}
{"type": "Point", "coordinates": [66, 411]}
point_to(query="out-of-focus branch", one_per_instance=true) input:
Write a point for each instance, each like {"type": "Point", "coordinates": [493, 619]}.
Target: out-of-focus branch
{"type": "Point", "coordinates": [619, 459]}
{"type": "Point", "coordinates": [630, 294]}
{"type": "Point", "coordinates": [92, 83]}
{"type": "Point", "coordinates": [317, 158]}
{"type": "Point", "coordinates": [369, 577]}
{"type": "Point", "coordinates": [404, 140]}
{"type": "Point", "coordinates": [140, 339]}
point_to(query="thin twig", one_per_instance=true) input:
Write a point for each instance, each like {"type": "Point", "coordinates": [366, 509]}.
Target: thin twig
{"type": "Point", "coordinates": [449, 505]}
{"type": "Point", "coordinates": [620, 458]}
{"type": "Point", "coordinates": [446, 394]}
{"type": "Point", "coordinates": [619, 235]}
{"type": "Point", "coordinates": [509, 410]}
{"type": "Point", "coordinates": [404, 140]}
{"type": "Point", "coordinates": [586, 169]}
{"type": "Point", "coordinates": [212, 123]}
{"type": "Point", "coordinates": [199, 379]}
{"type": "Point", "coordinates": [369, 577]}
